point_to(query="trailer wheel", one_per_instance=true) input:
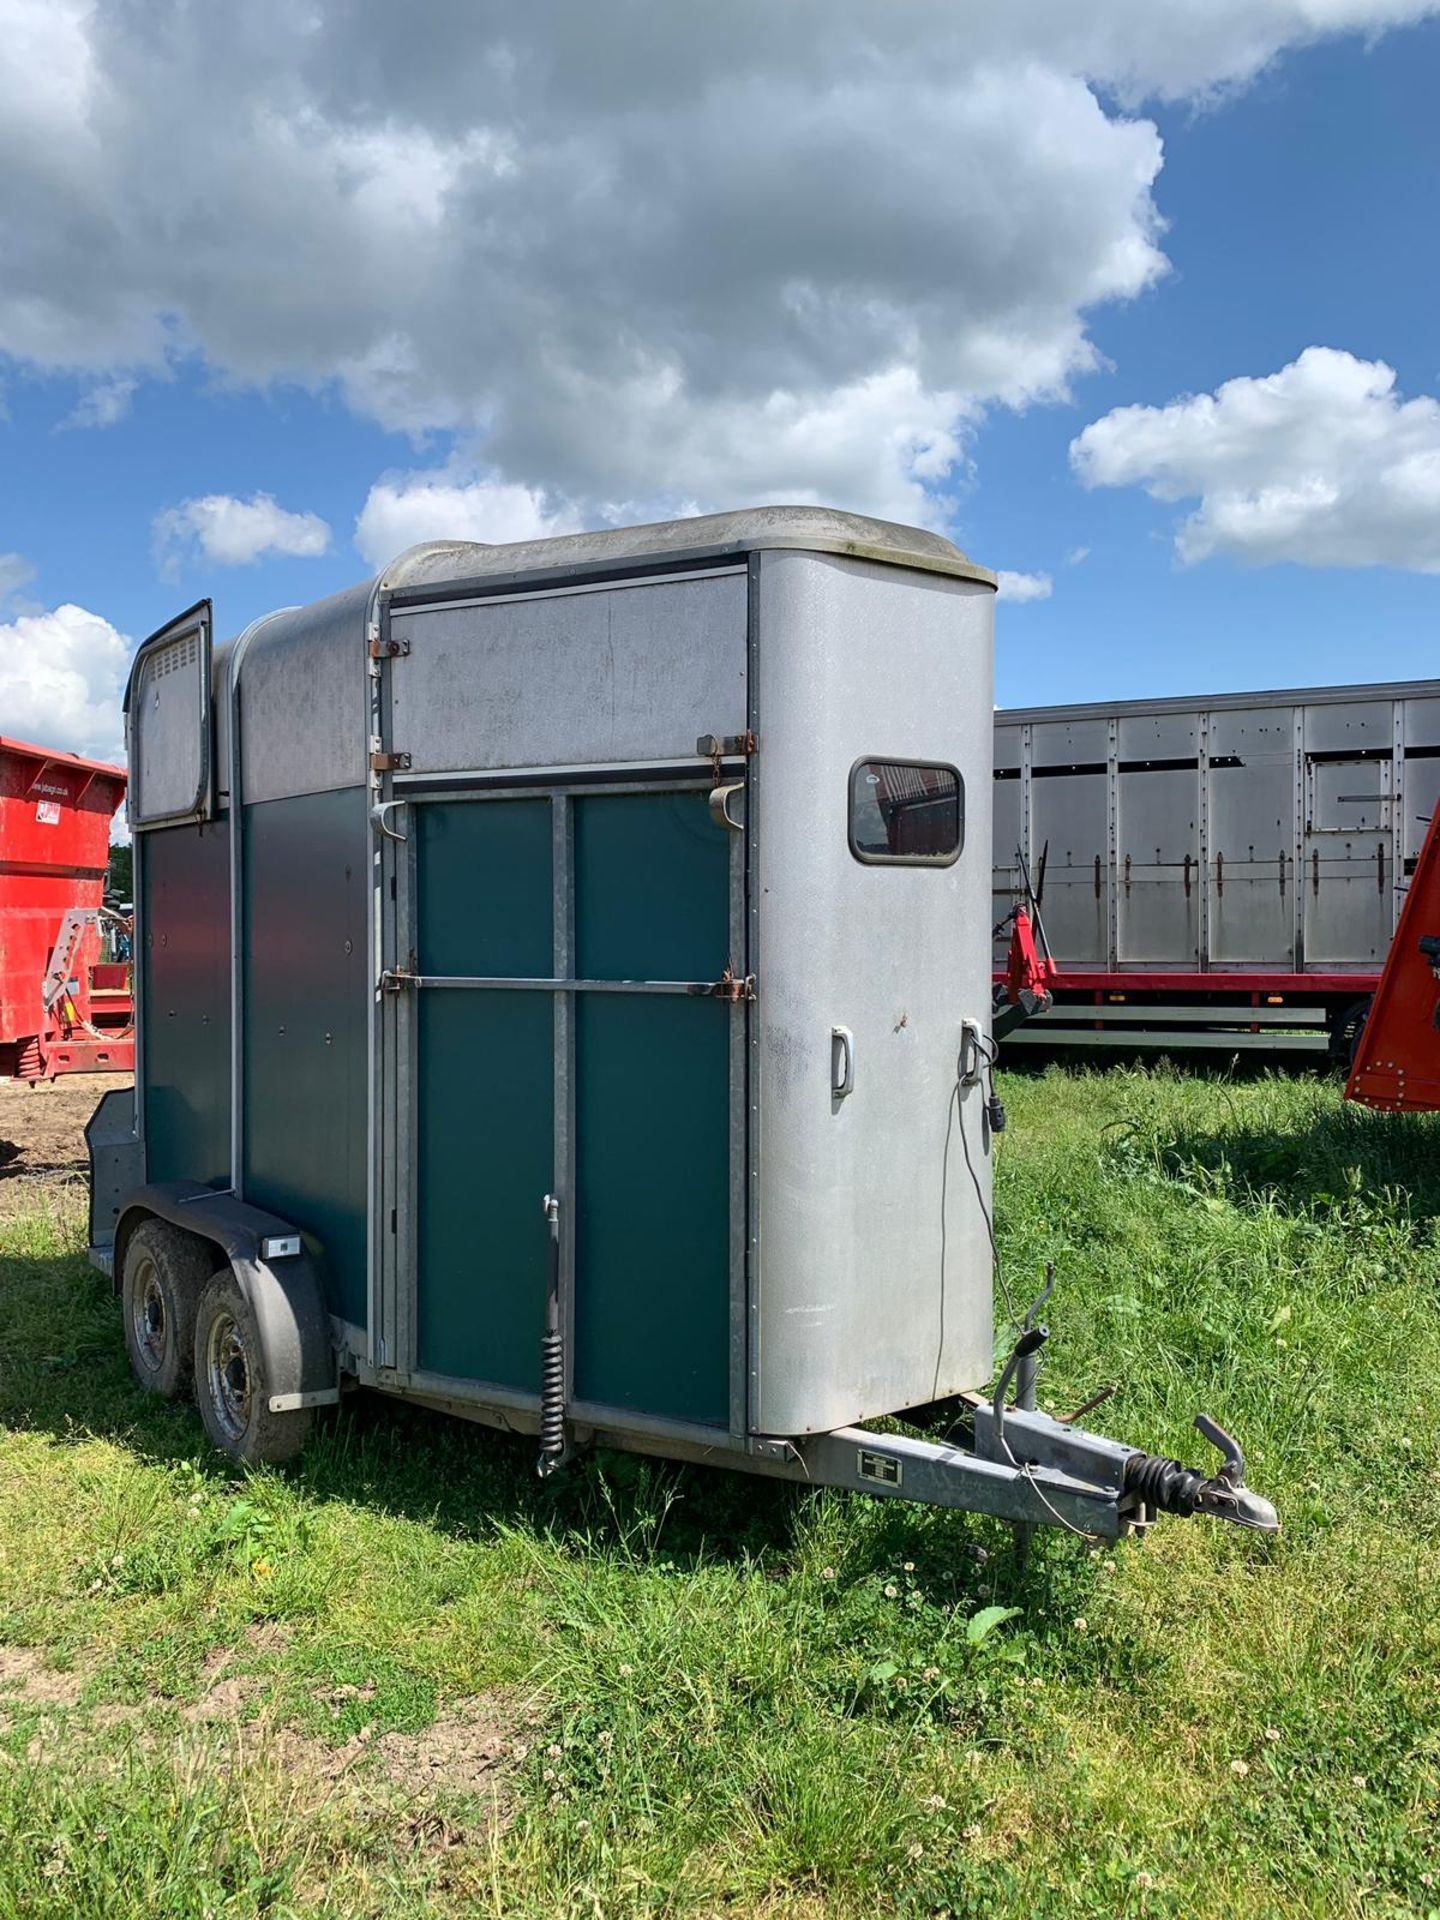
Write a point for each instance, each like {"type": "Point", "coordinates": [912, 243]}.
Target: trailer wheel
{"type": "Point", "coordinates": [165, 1271]}
{"type": "Point", "coordinates": [231, 1386]}
{"type": "Point", "coordinates": [1346, 1027]}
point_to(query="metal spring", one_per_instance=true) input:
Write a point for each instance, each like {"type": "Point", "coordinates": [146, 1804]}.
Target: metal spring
{"type": "Point", "coordinates": [1164, 1485]}
{"type": "Point", "coordinates": [552, 1402]}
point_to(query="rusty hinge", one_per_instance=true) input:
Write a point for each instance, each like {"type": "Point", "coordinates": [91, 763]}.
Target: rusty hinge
{"type": "Point", "coordinates": [730, 987]}
{"type": "Point", "coordinates": [389, 649]}
{"type": "Point", "coordinates": [389, 762]}
{"type": "Point", "coordinates": [395, 979]}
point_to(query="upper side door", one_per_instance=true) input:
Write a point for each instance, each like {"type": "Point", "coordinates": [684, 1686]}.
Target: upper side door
{"type": "Point", "coordinates": [167, 716]}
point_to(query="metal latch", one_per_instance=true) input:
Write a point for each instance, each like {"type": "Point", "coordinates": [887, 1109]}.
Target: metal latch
{"type": "Point", "coordinates": [389, 763]}
{"type": "Point", "coordinates": [395, 979]}
{"type": "Point", "coordinates": [730, 987]}
{"type": "Point", "coordinates": [389, 649]}
{"type": "Point", "coordinates": [715, 746]}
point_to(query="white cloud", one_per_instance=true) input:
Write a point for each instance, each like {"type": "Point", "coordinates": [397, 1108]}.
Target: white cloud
{"type": "Point", "coordinates": [1024, 586]}
{"type": "Point", "coordinates": [15, 572]}
{"type": "Point", "coordinates": [62, 681]}
{"type": "Point", "coordinates": [1321, 464]}
{"type": "Point", "coordinates": [404, 509]}
{"type": "Point", "coordinates": [1077, 556]}
{"type": "Point", "coordinates": [233, 533]}
{"type": "Point", "coordinates": [637, 252]}
{"type": "Point", "coordinates": [104, 405]}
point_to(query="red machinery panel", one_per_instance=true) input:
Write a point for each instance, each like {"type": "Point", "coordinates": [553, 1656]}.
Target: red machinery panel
{"type": "Point", "coordinates": [1397, 1064]}
{"type": "Point", "coordinates": [55, 814]}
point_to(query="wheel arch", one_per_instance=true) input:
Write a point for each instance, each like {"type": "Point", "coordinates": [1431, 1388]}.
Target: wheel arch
{"type": "Point", "coordinates": [283, 1290]}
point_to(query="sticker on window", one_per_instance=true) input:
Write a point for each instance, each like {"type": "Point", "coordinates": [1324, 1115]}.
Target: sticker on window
{"type": "Point", "coordinates": [906, 813]}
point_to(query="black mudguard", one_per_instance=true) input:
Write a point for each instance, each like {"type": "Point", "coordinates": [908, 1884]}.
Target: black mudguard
{"type": "Point", "coordinates": [284, 1293]}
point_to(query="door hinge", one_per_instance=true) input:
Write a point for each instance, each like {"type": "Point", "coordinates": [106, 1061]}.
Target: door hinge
{"type": "Point", "coordinates": [389, 762]}
{"type": "Point", "coordinates": [730, 987]}
{"type": "Point", "coordinates": [389, 649]}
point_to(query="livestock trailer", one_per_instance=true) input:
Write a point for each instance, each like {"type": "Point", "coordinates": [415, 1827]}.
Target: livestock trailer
{"type": "Point", "coordinates": [1219, 871]}
{"type": "Point", "coordinates": [563, 1001]}
{"type": "Point", "coordinates": [63, 1009]}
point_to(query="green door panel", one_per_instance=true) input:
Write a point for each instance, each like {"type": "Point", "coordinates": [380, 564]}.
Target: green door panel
{"type": "Point", "coordinates": [183, 980]}
{"type": "Point", "coordinates": [486, 1155]}
{"type": "Point", "coordinates": [652, 1221]}
{"type": "Point", "coordinates": [483, 876]}
{"type": "Point", "coordinates": [307, 996]}
{"type": "Point", "coordinates": [650, 1088]}
{"type": "Point", "coordinates": [652, 898]}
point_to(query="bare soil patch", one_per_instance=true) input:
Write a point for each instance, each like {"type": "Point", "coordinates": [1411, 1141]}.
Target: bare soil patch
{"type": "Point", "coordinates": [25, 1678]}
{"type": "Point", "coordinates": [42, 1134]}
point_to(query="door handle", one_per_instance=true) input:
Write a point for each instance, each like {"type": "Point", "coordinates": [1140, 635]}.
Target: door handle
{"type": "Point", "coordinates": [842, 1062]}
{"type": "Point", "coordinates": [720, 806]}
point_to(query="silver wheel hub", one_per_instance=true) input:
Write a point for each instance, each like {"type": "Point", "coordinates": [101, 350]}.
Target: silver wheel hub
{"type": "Point", "coordinates": [149, 1319]}
{"type": "Point", "coordinates": [227, 1375]}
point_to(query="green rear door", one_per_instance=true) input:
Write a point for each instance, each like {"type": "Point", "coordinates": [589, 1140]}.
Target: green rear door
{"type": "Point", "coordinates": [564, 1047]}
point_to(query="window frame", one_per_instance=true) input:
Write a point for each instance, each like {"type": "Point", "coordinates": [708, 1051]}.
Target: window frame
{"type": "Point", "coordinates": [867, 859]}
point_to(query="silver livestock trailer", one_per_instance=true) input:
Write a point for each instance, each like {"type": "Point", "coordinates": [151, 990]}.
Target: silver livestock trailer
{"type": "Point", "coordinates": [563, 993]}
{"type": "Point", "coordinates": [1219, 870]}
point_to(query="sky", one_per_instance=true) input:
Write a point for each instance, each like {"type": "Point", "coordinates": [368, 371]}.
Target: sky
{"type": "Point", "coordinates": [1135, 301]}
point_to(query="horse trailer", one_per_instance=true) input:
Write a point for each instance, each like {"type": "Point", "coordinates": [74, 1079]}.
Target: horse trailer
{"type": "Point", "coordinates": [1220, 871]}
{"type": "Point", "coordinates": [564, 997]}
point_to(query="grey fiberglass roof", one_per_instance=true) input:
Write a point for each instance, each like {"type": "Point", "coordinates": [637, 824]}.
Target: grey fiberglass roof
{"type": "Point", "coordinates": [705, 536]}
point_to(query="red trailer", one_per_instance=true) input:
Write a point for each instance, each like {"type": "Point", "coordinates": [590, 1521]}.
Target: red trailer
{"type": "Point", "coordinates": [62, 1008]}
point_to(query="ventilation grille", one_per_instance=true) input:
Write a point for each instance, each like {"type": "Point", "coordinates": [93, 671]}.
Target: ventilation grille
{"type": "Point", "coordinates": [175, 657]}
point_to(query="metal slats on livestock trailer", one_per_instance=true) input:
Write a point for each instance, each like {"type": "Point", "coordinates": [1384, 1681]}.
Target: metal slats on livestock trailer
{"type": "Point", "coordinates": [1219, 871]}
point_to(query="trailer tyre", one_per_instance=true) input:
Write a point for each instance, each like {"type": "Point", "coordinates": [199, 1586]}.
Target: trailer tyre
{"type": "Point", "coordinates": [165, 1272]}
{"type": "Point", "coordinates": [1346, 1028]}
{"type": "Point", "coordinates": [231, 1387]}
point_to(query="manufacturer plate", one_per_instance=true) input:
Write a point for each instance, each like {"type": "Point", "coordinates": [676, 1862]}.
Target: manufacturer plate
{"type": "Point", "coordinates": [881, 1468]}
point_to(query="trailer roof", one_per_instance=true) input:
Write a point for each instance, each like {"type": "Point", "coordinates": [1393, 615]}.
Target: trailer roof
{"type": "Point", "coordinates": [28, 751]}
{"type": "Point", "coordinates": [441, 563]}
{"type": "Point", "coordinates": [1210, 702]}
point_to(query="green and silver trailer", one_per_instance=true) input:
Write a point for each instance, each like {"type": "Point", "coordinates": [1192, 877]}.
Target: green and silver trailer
{"type": "Point", "coordinates": [563, 999]}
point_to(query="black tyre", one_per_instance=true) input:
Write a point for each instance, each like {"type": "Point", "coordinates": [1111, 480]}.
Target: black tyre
{"type": "Point", "coordinates": [1347, 1025]}
{"type": "Point", "coordinates": [231, 1388]}
{"type": "Point", "coordinates": [165, 1272]}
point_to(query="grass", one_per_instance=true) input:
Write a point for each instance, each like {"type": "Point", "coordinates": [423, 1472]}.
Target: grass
{"type": "Point", "coordinates": [703, 1694]}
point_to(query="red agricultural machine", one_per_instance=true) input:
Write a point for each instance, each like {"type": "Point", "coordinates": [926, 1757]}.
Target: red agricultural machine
{"type": "Point", "coordinates": [64, 1008]}
{"type": "Point", "coordinates": [1397, 1062]}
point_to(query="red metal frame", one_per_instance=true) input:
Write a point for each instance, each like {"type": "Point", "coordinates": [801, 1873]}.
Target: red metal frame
{"type": "Point", "coordinates": [55, 814]}
{"type": "Point", "coordinates": [1330, 985]}
{"type": "Point", "coordinates": [1397, 1063]}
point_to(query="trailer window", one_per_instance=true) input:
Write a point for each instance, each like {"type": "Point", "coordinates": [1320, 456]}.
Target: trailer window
{"type": "Point", "coordinates": [906, 813]}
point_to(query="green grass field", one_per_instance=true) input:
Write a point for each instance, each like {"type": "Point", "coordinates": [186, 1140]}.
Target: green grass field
{"type": "Point", "coordinates": [404, 1678]}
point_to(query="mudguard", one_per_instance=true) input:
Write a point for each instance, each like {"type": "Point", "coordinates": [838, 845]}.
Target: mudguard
{"type": "Point", "coordinates": [283, 1290]}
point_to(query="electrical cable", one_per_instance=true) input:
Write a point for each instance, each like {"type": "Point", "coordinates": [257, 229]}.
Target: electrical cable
{"type": "Point", "coordinates": [989, 1054]}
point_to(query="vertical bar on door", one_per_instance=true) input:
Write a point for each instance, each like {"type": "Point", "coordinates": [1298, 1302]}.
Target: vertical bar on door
{"type": "Point", "coordinates": [562, 878]}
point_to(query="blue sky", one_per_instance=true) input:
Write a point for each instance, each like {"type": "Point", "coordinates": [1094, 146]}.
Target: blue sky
{"type": "Point", "coordinates": [943, 352]}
